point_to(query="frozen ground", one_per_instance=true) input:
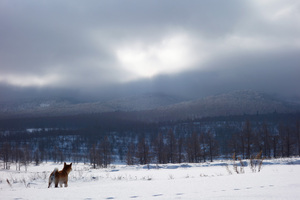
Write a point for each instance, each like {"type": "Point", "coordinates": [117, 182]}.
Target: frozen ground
{"type": "Point", "coordinates": [278, 179]}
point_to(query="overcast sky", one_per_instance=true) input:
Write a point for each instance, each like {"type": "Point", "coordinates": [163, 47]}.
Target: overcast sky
{"type": "Point", "coordinates": [176, 47]}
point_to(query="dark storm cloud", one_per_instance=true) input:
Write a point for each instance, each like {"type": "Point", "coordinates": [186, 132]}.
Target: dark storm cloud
{"type": "Point", "coordinates": [36, 36]}
{"type": "Point", "coordinates": [271, 72]}
{"type": "Point", "coordinates": [100, 46]}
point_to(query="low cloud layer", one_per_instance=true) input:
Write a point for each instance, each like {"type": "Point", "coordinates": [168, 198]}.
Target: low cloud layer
{"type": "Point", "coordinates": [184, 48]}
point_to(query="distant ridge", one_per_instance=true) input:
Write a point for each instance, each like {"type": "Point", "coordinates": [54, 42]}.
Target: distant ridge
{"type": "Point", "coordinates": [64, 107]}
{"type": "Point", "coordinates": [233, 103]}
{"type": "Point", "coordinates": [157, 107]}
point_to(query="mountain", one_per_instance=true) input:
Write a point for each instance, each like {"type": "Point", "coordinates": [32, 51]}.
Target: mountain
{"type": "Point", "coordinates": [65, 107]}
{"type": "Point", "coordinates": [232, 103]}
{"type": "Point", "coordinates": [155, 107]}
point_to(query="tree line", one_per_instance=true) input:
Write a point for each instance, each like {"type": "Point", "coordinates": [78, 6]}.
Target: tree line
{"type": "Point", "coordinates": [177, 142]}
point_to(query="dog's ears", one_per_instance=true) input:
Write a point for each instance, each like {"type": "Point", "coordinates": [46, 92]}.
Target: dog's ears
{"type": "Point", "coordinates": [71, 164]}
{"type": "Point", "coordinates": [64, 164]}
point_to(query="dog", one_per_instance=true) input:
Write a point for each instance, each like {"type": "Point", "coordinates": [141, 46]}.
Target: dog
{"type": "Point", "coordinates": [60, 177]}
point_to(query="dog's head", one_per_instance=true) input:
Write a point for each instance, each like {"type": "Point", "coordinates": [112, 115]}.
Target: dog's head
{"type": "Point", "coordinates": [67, 168]}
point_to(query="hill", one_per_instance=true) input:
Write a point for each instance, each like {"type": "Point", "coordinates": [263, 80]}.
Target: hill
{"type": "Point", "coordinates": [233, 103]}
{"type": "Point", "coordinates": [154, 107]}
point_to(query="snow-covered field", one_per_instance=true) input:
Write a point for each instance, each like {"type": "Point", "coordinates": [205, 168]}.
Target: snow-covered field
{"type": "Point", "coordinates": [278, 179]}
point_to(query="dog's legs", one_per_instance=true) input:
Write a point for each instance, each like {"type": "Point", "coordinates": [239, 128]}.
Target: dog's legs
{"type": "Point", "coordinates": [51, 177]}
{"type": "Point", "coordinates": [50, 182]}
{"type": "Point", "coordinates": [56, 182]}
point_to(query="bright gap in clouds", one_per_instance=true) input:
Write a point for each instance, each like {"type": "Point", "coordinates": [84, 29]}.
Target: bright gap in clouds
{"type": "Point", "coordinates": [29, 80]}
{"type": "Point", "coordinates": [145, 60]}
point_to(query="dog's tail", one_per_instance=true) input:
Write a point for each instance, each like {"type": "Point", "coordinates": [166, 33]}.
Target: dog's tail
{"type": "Point", "coordinates": [52, 176]}
{"type": "Point", "coordinates": [55, 170]}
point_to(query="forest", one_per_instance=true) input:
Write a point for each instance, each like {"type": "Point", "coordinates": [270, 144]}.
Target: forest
{"type": "Point", "coordinates": [101, 140]}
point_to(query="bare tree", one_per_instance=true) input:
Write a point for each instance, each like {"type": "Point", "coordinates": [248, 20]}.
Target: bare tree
{"type": "Point", "coordinates": [159, 149]}
{"type": "Point", "coordinates": [26, 155]}
{"type": "Point", "coordinates": [193, 148]}
{"type": "Point", "coordinates": [17, 154]}
{"type": "Point", "coordinates": [298, 135]}
{"type": "Point", "coordinates": [285, 141]}
{"type": "Point", "coordinates": [288, 142]}
{"type": "Point", "coordinates": [234, 144]}
{"type": "Point", "coordinates": [203, 146]}
{"type": "Point", "coordinates": [93, 156]}
{"type": "Point", "coordinates": [105, 152]}
{"type": "Point", "coordinates": [266, 141]}
{"type": "Point", "coordinates": [180, 150]}
{"type": "Point", "coordinates": [247, 133]}
{"type": "Point", "coordinates": [41, 149]}
{"type": "Point", "coordinates": [5, 154]}
{"type": "Point", "coordinates": [142, 153]}
{"type": "Point", "coordinates": [275, 139]}
{"type": "Point", "coordinates": [36, 157]}
{"type": "Point", "coordinates": [212, 145]}
{"type": "Point", "coordinates": [55, 154]}
{"type": "Point", "coordinates": [130, 154]}
{"type": "Point", "coordinates": [171, 145]}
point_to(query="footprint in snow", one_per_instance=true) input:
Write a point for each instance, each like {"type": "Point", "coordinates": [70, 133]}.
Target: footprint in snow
{"type": "Point", "coordinates": [133, 197]}
{"type": "Point", "coordinates": [157, 195]}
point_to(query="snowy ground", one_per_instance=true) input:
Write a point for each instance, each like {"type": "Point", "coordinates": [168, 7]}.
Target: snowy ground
{"type": "Point", "coordinates": [278, 179]}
